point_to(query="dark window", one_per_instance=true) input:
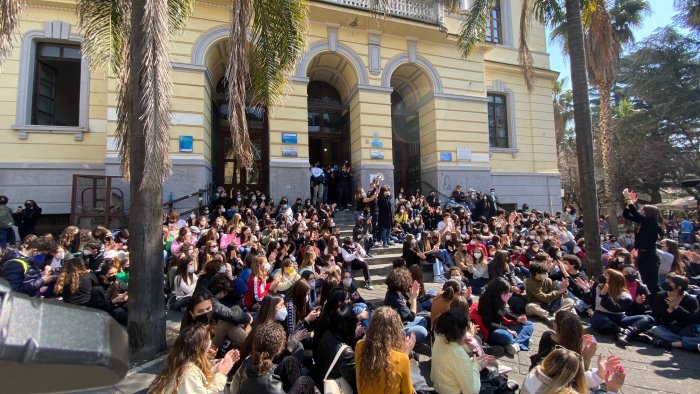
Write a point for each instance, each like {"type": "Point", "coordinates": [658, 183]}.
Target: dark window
{"type": "Point", "coordinates": [325, 109]}
{"type": "Point", "coordinates": [56, 97]}
{"type": "Point", "coordinates": [494, 32]}
{"type": "Point", "coordinates": [498, 121]}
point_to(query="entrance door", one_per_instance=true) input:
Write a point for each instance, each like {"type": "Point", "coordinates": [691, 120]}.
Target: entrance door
{"type": "Point", "coordinates": [406, 152]}
{"type": "Point", "coordinates": [227, 172]}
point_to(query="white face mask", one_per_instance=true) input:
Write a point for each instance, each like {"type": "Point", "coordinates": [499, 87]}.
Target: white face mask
{"type": "Point", "coordinates": [214, 250]}
{"type": "Point", "coordinates": [59, 256]}
{"type": "Point", "coordinates": [447, 238]}
{"type": "Point", "coordinates": [621, 259]}
{"type": "Point", "coordinates": [193, 216]}
{"type": "Point", "coordinates": [267, 267]}
{"type": "Point", "coordinates": [281, 314]}
{"type": "Point", "coordinates": [222, 270]}
{"type": "Point", "coordinates": [347, 282]}
{"type": "Point", "coordinates": [477, 255]}
{"type": "Point", "coordinates": [191, 269]}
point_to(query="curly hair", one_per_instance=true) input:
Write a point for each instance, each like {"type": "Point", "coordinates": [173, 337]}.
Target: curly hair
{"type": "Point", "coordinates": [70, 275]}
{"type": "Point", "coordinates": [269, 342]}
{"type": "Point", "coordinates": [385, 334]}
{"type": "Point", "coordinates": [190, 348]}
{"type": "Point", "coordinates": [399, 279]}
{"type": "Point", "coordinates": [68, 236]}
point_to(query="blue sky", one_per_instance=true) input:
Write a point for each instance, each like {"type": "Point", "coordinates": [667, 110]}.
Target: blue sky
{"type": "Point", "coordinates": [662, 13]}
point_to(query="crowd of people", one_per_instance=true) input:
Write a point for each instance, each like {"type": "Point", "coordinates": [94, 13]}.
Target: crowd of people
{"type": "Point", "coordinates": [269, 291]}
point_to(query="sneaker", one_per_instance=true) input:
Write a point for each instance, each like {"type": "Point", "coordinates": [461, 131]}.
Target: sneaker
{"type": "Point", "coordinates": [664, 344]}
{"type": "Point", "coordinates": [368, 286]}
{"type": "Point", "coordinates": [422, 348]}
{"type": "Point", "coordinates": [169, 301]}
{"type": "Point", "coordinates": [347, 210]}
{"type": "Point", "coordinates": [494, 350]}
{"type": "Point", "coordinates": [439, 279]}
{"type": "Point", "coordinates": [512, 349]}
{"type": "Point", "coordinates": [513, 385]}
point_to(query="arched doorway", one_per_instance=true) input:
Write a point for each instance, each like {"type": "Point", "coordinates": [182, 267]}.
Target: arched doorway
{"type": "Point", "coordinates": [328, 126]}
{"type": "Point", "coordinates": [411, 85]}
{"type": "Point", "coordinates": [405, 145]}
{"type": "Point", "coordinates": [228, 173]}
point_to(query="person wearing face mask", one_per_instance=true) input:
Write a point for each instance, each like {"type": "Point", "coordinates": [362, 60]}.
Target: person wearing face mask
{"type": "Point", "coordinates": [569, 268]}
{"type": "Point", "coordinates": [109, 296]}
{"type": "Point", "coordinates": [184, 284]}
{"type": "Point", "coordinates": [638, 291]}
{"type": "Point", "coordinates": [258, 285]}
{"type": "Point", "coordinates": [478, 268]}
{"type": "Point", "coordinates": [93, 255]}
{"type": "Point", "coordinates": [504, 328]}
{"type": "Point", "coordinates": [384, 218]}
{"type": "Point", "coordinates": [26, 218]}
{"type": "Point", "coordinates": [544, 299]}
{"type": "Point", "coordinates": [58, 253]}
{"type": "Point", "coordinates": [299, 313]}
{"type": "Point", "coordinates": [675, 313]}
{"type": "Point", "coordinates": [569, 217]}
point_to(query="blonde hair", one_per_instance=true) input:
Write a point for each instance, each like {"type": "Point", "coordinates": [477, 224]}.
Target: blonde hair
{"type": "Point", "coordinates": [190, 348]}
{"type": "Point", "coordinates": [70, 275]}
{"type": "Point", "coordinates": [257, 267]}
{"type": "Point", "coordinates": [309, 258]}
{"type": "Point", "coordinates": [564, 368]}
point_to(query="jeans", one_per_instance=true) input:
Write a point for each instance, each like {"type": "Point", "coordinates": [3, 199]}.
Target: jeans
{"type": "Point", "coordinates": [609, 323]}
{"type": "Point", "coordinates": [477, 285]}
{"type": "Point", "coordinates": [317, 194]}
{"type": "Point", "coordinates": [579, 305]}
{"type": "Point", "coordinates": [447, 258]}
{"type": "Point", "coordinates": [438, 269]}
{"type": "Point", "coordinates": [359, 308]}
{"type": "Point", "coordinates": [419, 327]}
{"type": "Point", "coordinates": [369, 242]}
{"type": "Point", "coordinates": [502, 337]}
{"type": "Point", "coordinates": [4, 237]}
{"type": "Point", "coordinates": [521, 272]}
{"type": "Point", "coordinates": [384, 235]}
{"type": "Point", "coordinates": [688, 343]}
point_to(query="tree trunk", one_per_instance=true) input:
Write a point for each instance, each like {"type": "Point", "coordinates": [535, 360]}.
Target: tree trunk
{"type": "Point", "coordinates": [584, 137]}
{"type": "Point", "coordinates": [606, 152]}
{"type": "Point", "coordinates": [146, 301]}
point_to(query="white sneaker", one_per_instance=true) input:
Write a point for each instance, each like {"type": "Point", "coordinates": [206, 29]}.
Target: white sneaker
{"type": "Point", "coordinates": [512, 349]}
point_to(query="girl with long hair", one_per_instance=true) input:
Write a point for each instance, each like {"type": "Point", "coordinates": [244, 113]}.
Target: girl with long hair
{"type": "Point", "coordinates": [188, 367]}
{"type": "Point", "coordinates": [75, 282]}
{"type": "Point", "coordinates": [612, 299]}
{"type": "Point", "coordinates": [184, 284]}
{"type": "Point", "coordinates": [671, 260]}
{"type": "Point", "coordinates": [568, 333]}
{"type": "Point", "coordinates": [650, 225]}
{"type": "Point", "coordinates": [560, 369]}
{"type": "Point", "coordinates": [381, 358]}
{"type": "Point", "coordinates": [503, 327]}
{"type": "Point", "coordinates": [70, 239]}
{"type": "Point", "coordinates": [258, 286]}
{"type": "Point", "coordinates": [299, 314]}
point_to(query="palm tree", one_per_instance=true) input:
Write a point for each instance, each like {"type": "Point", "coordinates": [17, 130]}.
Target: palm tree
{"type": "Point", "coordinates": [563, 110]}
{"type": "Point", "coordinates": [689, 15]}
{"type": "Point", "coordinates": [10, 11]}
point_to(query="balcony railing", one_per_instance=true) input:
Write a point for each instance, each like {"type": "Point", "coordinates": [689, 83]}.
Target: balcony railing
{"type": "Point", "coordinates": [426, 11]}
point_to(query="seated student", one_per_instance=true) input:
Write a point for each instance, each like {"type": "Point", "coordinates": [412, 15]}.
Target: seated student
{"type": "Point", "coordinates": [569, 268]}
{"type": "Point", "coordinates": [568, 333]}
{"type": "Point", "coordinates": [477, 268]}
{"type": "Point", "coordinates": [504, 327]}
{"type": "Point", "coordinates": [24, 274]}
{"type": "Point", "coordinates": [638, 291]}
{"type": "Point", "coordinates": [258, 285]}
{"type": "Point", "coordinates": [564, 369]}
{"type": "Point", "coordinates": [354, 259]}
{"type": "Point", "coordinates": [612, 300]}
{"type": "Point", "coordinates": [441, 302]}
{"type": "Point", "coordinates": [402, 296]}
{"type": "Point", "coordinates": [75, 282]}
{"type": "Point", "coordinates": [381, 359]}
{"type": "Point", "coordinates": [544, 300]}
{"type": "Point", "coordinates": [187, 368]}
{"type": "Point", "coordinates": [260, 374]}
{"type": "Point", "coordinates": [676, 314]}
{"type": "Point", "coordinates": [453, 371]}
{"type": "Point", "coordinates": [109, 296]}
{"type": "Point", "coordinates": [339, 337]}
{"type": "Point", "coordinates": [299, 314]}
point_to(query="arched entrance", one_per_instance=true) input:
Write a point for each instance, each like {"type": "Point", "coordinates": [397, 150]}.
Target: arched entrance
{"type": "Point", "coordinates": [226, 171]}
{"type": "Point", "coordinates": [411, 85]}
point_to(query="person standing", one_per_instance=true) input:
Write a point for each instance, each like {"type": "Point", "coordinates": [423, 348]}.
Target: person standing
{"type": "Point", "coordinates": [649, 230]}
{"type": "Point", "coordinates": [384, 215]}
{"type": "Point", "coordinates": [6, 222]}
{"type": "Point", "coordinates": [317, 177]}
{"type": "Point", "coordinates": [492, 203]}
{"type": "Point", "coordinates": [27, 217]}
{"type": "Point", "coordinates": [344, 186]}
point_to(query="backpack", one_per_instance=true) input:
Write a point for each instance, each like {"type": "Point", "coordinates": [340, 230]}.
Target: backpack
{"type": "Point", "coordinates": [22, 262]}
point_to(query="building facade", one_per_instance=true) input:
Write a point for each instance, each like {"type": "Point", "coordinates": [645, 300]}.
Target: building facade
{"type": "Point", "coordinates": [389, 93]}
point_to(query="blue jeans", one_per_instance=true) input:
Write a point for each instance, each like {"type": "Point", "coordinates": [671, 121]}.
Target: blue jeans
{"type": "Point", "coordinates": [502, 337]}
{"type": "Point", "coordinates": [359, 308]}
{"type": "Point", "coordinates": [477, 285]}
{"type": "Point", "coordinates": [688, 343]}
{"type": "Point", "coordinates": [521, 272]}
{"type": "Point", "coordinates": [4, 237]}
{"type": "Point", "coordinates": [609, 323]}
{"type": "Point", "coordinates": [578, 303]}
{"type": "Point", "coordinates": [447, 258]}
{"type": "Point", "coordinates": [418, 326]}
{"type": "Point", "coordinates": [384, 235]}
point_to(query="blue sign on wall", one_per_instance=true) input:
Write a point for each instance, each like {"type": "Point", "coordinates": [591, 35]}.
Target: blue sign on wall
{"type": "Point", "coordinates": [289, 138]}
{"type": "Point", "coordinates": [445, 156]}
{"type": "Point", "coordinates": [186, 143]}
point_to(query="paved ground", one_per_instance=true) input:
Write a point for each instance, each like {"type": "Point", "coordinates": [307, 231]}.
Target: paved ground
{"type": "Point", "coordinates": [649, 370]}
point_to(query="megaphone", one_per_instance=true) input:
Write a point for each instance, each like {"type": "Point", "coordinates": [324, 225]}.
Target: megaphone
{"type": "Point", "coordinates": [48, 346]}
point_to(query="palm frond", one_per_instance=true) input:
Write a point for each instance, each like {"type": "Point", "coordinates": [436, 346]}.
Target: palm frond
{"type": "Point", "coordinates": [602, 48]}
{"type": "Point", "coordinates": [179, 12]}
{"type": "Point", "coordinates": [625, 15]}
{"type": "Point", "coordinates": [102, 25]}
{"type": "Point", "coordinates": [452, 5]}
{"type": "Point", "coordinates": [237, 77]}
{"type": "Point", "coordinates": [524, 54]}
{"type": "Point", "coordinates": [124, 94]}
{"type": "Point", "coordinates": [156, 92]}
{"type": "Point", "coordinates": [473, 27]}
{"type": "Point", "coordinates": [279, 31]}
{"type": "Point", "coordinates": [10, 11]}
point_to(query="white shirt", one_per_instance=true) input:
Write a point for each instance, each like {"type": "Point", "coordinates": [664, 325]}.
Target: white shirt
{"type": "Point", "coordinates": [316, 171]}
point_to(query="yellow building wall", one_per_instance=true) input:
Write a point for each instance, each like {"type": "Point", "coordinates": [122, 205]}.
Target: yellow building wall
{"type": "Point", "coordinates": [291, 118]}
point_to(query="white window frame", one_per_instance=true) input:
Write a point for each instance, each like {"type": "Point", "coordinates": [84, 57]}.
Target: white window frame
{"type": "Point", "coordinates": [499, 87]}
{"type": "Point", "coordinates": [54, 32]}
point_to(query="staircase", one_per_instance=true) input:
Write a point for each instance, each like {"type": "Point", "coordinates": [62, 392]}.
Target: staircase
{"type": "Point", "coordinates": [379, 265]}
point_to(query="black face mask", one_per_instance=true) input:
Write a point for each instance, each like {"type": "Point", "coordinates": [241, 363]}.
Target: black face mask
{"type": "Point", "coordinates": [630, 277]}
{"type": "Point", "coordinates": [112, 278]}
{"type": "Point", "coordinates": [204, 318]}
{"type": "Point", "coordinates": [666, 287]}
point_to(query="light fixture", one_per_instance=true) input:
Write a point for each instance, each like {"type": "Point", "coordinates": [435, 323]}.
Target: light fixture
{"type": "Point", "coordinates": [325, 149]}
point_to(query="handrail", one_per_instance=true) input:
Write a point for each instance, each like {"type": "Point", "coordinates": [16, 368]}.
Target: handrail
{"type": "Point", "coordinates": [202, 195]}
{"type": "Point", "coordinates": [435, 189]}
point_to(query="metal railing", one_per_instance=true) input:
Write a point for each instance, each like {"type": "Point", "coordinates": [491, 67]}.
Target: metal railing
{"type": "Point", "coordinates": [203, 197]}
{"type": "Point", "coordinates": [426, 11]}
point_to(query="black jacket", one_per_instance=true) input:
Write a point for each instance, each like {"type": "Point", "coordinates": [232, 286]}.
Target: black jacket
{"type": "Point", "coordinates": [88, 280]}
{"type": "Point", "coordinates": [684, 315]}
{"type": "Point", "coordinates": [399, 302]}
{"type": "Point", "coordinates": [648, 232]}
{"type": "Point", "coordinates": [384, 212]}
{"type": "Point", "coordinates": [246, 381]}
{"type": "Point", "coordinates": [324, 354]}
